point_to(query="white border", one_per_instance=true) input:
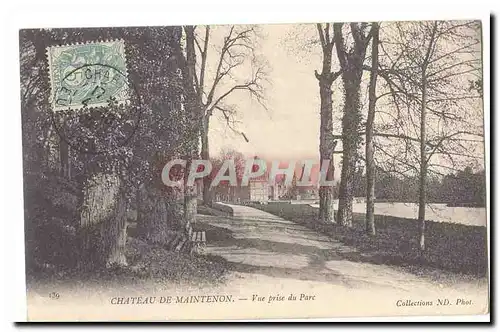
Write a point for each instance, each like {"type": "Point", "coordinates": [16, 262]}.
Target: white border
{"type": "Point", "coordinates": [34, 14]}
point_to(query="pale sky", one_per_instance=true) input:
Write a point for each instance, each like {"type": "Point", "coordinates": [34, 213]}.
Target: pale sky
{"type": "Point", "coordinates": [290, 126]}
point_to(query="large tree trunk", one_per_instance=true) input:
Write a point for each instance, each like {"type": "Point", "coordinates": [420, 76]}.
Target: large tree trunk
{"type": "Point", "coordinates": [102, 229]}
{"type": "Point", "coordinates": [326, 148]}
{"type": "Point", "coordinates": [423, 142]}
{"type": "Point", "coordinates": [327, 142]}
{"type": "Point", "coordinates": [166, 213]}
{"type": "Point", "coordinates": [159, 214]}
{"type": "Point", "coordinates": [370, 164]}
{"type": "Point", "coordinates": [192, 132]}
{"type": "Point", "coordinates": [351, 63]}
{"type": "Point", "coordinates": [350, 127]}
{"type": "Point", "coordinates": [161, 208]}
{"type": "Point", "coordinates": [423, 165]}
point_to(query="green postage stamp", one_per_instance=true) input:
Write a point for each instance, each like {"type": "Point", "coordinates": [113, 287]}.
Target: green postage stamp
{"type": "Point", "coordinates": [87, 75]}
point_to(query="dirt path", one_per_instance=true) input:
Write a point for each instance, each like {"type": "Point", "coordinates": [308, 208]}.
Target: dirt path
{"type": "Point", "coordinates": [262, 245]}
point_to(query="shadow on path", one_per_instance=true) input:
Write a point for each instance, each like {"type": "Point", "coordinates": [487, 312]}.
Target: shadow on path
{"type": "Point", "coordinates": [294, 252]}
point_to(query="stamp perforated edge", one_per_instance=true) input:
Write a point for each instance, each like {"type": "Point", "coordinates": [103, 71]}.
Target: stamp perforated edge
{"type": "Point", "coordinates": [56, 108]}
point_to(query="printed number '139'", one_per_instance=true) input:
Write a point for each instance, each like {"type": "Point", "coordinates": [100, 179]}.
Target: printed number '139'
{"type": "Point", "coordinates": [54, 295]}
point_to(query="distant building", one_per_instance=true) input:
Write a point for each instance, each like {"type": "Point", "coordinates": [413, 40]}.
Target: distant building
{"type": "Point", "coordinates": [258, 191]}
{"type": "Point", "coordinates": [309, 193]}
{"type": "Point", "coordinates": [297, 192]}
{"type": "Point", "coordinates": [279, 190]}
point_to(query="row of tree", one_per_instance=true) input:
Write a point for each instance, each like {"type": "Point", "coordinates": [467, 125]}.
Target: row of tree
{"type": "Point", "coordinates": [424, 104]}
{"type": "Point", "coordinates": [462, 188]}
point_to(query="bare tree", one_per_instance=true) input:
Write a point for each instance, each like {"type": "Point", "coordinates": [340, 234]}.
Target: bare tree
{"type": "Point", "coordinates": [215, 82]}
{"type": "Point", "coordinates": [427, 69]}
{"type": "Point", "coordinates": [327, 142]}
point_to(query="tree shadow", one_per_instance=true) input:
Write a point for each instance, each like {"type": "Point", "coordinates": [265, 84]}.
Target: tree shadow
{"type": "Point", "coordinates": [223, 241]}
{"type": "Point", "coordinates": [223, 246]}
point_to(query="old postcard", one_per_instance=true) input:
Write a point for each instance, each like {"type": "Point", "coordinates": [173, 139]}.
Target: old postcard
{"type": "Point", "coordinates": [184, 173]}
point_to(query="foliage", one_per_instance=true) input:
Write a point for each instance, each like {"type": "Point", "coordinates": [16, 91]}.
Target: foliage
{"type": "Point", "coordinates": [453, 125]}
{"type": "Point", "coordinates": [463, 187]}
{"type": "Point", "coordinates": [147, 132]}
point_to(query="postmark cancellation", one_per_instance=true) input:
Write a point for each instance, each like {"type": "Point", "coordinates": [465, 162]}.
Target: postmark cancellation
{"type": "Point", "coordinates": [90, 75]}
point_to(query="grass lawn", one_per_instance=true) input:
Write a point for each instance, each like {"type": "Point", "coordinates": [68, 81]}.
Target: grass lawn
{"type": "Point", "coordinates": [453, 247]}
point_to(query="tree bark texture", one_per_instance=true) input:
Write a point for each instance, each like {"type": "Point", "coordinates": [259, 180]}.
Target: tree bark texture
{"type": "Point", "coordinates": [102, 229]}
{"type": "Point", "coordinates": [327, 142]}
{"type": "Point", "coordinates": [351, 63]}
